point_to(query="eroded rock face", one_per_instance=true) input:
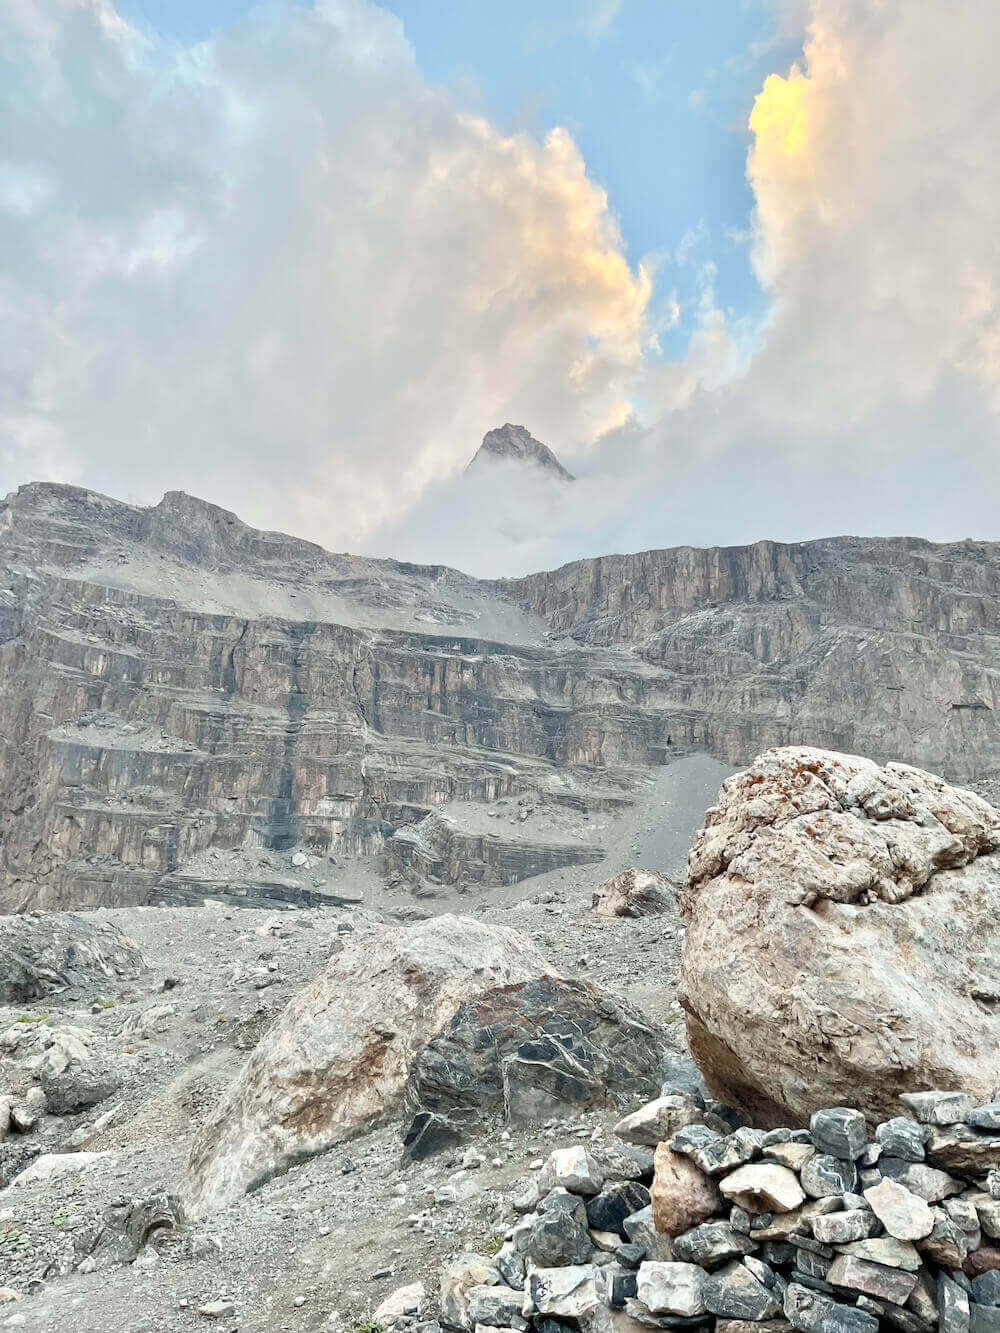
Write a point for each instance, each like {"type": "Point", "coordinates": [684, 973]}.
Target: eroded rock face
{"type": "Point", "coordinates": [842, 937]}
{"type": "Point", "coordinates": [339, 1057]}
{"type": "Point", "coordinates": [40, 955]}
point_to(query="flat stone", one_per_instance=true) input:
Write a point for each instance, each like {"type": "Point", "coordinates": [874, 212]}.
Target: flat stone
{"type": "Point", "coordinates": [792, 1155]}
{"type": "Point", "coordinates": [890, 1284]}
{"type": "Point", "coordinates": [798, 1221]}
{"type": "Point", "coordinates": [938, 1108]}
{"type": "Point", "coordinates": [658, 1120]}
{"type": "Point", "coordinates": [811, 1312]}
{"type": "Point", "coordinates": [985, 1117]}
{"type": "Point", "coordinates": [903, 1214]}
{"type": "Point", "coordinates": [841, 1228]}
{"type": "Point", "coordinates": [711, 1243]}
{"type": "Point", "coordinates": [221, 1309]}
{"type": "Point", "coordinates": [682, 1197]}
{"type": "Point", "coordinates": [823, 1175]}
{"type": "Point", "coordinates": [884, 1250]}
{"type": "Point", "coordinates": [930, 1183]}
{"type": "Point", "coordinates": [962, 1149]}
{"type": "Point", "coordinates": [763, 1187]}
{"type": "Point", "coordinates": [672, 1288]}
{"type": "Point", "coordinates": [840, 1131]}
{"type": "Point", "coordinates": [752, 1326]}
{"type": "Point", "coordinates": [953, 1306]}
{"type": "Point", "coordinates": [735, 1293]}
{"type": "Point", "coordinates": [901, 1137]}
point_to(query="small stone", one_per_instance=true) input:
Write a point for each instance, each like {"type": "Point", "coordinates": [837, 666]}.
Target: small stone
{"type": "Point", "coordinates": [792, 1155]}
{"type": "Point", "coordinates": [574, 1169]}
{"type": "Point", "coordinates": [840, 1131]}
{"type": "Point", "coordinates": [901, 1137]}
{"type": "Point", "coordinates": [641, 1230]}
{"type": "Point", "coordinates": [811, 1312]}
{"type": "Point", "coordinates": [217, 1310]}
{"type": "Point", "coordinates": [575, 1293]}
{"type": "Point", "coordinates": [711, 1243]}
{"type": "Point", "coordinates": [904, 1215]}
{"type": "Point", "coordinates": [720, 1155]}
{"type": "Point", "coordinates": [402, 1302]}
{"type": "Point", "coordinates": [658, 1120]}
{"type": "Point", "coordinates": [926, 1181]}
{"type": "Point", "coordinates": [496, 1307]}
{"type": "Point", "coordinates": [823, 1175]}
{"type": "Point", "coordinates": [953, 1306]}
{"type": "Point", "coordinates": [629, 1255]}
{"type": "Point", "coordinates": [841, 1228]}
{"type": "Point", "coordinates": [985, 1117]}
{"type": "Point", "coordinates": [671, 1288]}
{"type": "Point", "coordinates": [986, 1288]}
{"type": "Point", "coordinates": [735, 1293]}
{"type": "Point", "coordinates": [947, 1244]}
{"type": "Point", "coordinates": [962, 1149]}
{"type": "Point", "coordinates": [681, 1195]}
{"type": "Point", "coordinates": [885, 1250]}
{"type": "Point", "coordinates": [557, 1238]}
{"type": "Point", "coordinates": [988, 1212]}
{"type": "Point", "coordinates": [939, 1108]}
{"type": "Point", "coordinates": [763, 1187]}
{"type": "Point", "coordinates": [890, 1284]}
{"type": "Point", "coordinates": [983, 1318]}
{"type": "Point", "coordinates": [459, 1277]}
{"type": "Point", "coordinates": [607, 1210]}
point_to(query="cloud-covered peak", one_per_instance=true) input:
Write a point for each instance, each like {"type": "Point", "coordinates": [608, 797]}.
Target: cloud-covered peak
{"type": "Point", "coordinates": [511, 443]}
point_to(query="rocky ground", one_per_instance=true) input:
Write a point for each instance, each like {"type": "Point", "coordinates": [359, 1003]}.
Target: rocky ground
{"type": "Point", "coordinates": [339, 1233]}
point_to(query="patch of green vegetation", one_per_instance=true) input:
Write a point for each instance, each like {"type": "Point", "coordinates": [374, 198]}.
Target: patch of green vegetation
{"type": "Point", "coordinates": [32, 1018]}
{"type": "Point", "coordinates": [58, 1219]}
{"type": "Point", "coordinates": [105, 1004]}
{"type": "Point", "coordinates": [14, 1239]}
{"type": "Point", "coordinates": [367, 1326]}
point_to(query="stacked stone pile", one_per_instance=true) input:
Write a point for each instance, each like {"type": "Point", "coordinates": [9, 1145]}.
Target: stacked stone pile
{"type": "Point", "coordinates": [830, 1229]}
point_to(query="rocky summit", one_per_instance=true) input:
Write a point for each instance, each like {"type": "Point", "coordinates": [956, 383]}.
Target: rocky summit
{"type": "Point", "coordinates": [516, 444]}
{"type": "Point", "coordinates": [392, 950]}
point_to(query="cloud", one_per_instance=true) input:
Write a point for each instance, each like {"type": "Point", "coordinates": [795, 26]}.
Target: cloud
{"type": "Point", "coordinates": [869, 401]}
{"type": "Point", "coordinates": [281, 271]}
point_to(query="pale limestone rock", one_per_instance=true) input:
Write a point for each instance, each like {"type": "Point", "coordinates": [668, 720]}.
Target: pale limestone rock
{"type": "Point", "coordinates": [681, 1196]}
{"type": "Point", "coordinates": [53, 1166]}
{"type": "Point", "coordinates": [903, 1214]}
{"type": "Point", "coordinates": [635, 893]}
{"type": "Point", "coordinates": [572, 1169]}
{"type": "Point", "coordinates": [658, 1120]}
{"type": "Point", "coordinates": [834, 950]}
{"type": "Point", "coordinates": [672, 1288]}
{"type": "Point", "coordinates": [338, 1058]}
{"type": "Point", "coordinates": [404, 1301]}
{"type": "Point", "coordinates": [460, 1277]}
{"type": "Point", "coordinates": [763, 1187]}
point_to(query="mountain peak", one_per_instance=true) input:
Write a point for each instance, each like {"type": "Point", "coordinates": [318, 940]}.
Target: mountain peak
{"type": "Point", "coordinates": [515, 442]}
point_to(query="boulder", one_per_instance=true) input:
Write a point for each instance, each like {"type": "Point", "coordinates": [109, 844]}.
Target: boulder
{"type": "Point", "coordinates": [635, 893]}
{"type": "Point", "coordinates": [40, 955]}
{"type": "Point", "coordinates": [339, 1057]}
{"type": "Point", "coordinates": [842, 942]}
{"type": "Point", "coordinates": [536, 1048]}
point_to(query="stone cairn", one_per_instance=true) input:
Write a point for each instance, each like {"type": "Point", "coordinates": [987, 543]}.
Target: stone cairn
{"type": "Point", "coordinates": [826, 1229]}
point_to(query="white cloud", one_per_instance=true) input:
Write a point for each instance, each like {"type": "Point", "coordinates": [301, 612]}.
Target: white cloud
{"type": "Point", "coordinates": [279, 270]}
{"type": "Point", "coordinates": [870, 402]}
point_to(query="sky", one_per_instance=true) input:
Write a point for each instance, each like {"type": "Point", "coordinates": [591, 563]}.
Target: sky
{"type": "Point", "coordinates": [735, 262]}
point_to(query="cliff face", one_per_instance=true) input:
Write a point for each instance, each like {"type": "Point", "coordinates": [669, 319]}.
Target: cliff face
{"type": "Point", "coordinates": [173, 681]}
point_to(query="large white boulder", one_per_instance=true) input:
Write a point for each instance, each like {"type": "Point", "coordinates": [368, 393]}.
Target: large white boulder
{"type": "Point", "coordinates": [843, 937]}
{"type": "Point", "coordinates": [338, 1058]}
